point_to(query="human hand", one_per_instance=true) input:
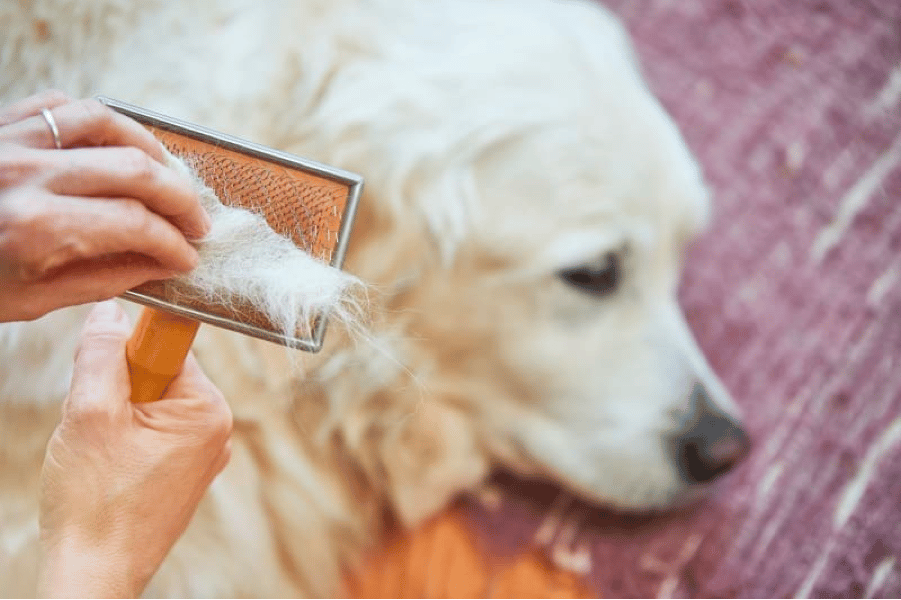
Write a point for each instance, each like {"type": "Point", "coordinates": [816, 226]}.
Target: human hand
{"type": "Point", "coordinates": [121, 481]}
{"type": "Point", "coordinates": [92, 220]}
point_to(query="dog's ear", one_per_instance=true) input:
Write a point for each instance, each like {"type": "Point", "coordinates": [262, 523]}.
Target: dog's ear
{"type": "Point", "coordinates": [427, 457]}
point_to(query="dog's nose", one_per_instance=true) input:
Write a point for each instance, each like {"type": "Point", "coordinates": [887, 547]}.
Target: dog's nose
{"type": "Point", "coordinates": [710, 443]}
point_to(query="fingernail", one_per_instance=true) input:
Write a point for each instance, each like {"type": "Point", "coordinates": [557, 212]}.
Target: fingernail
{"type": "Point", "coordinates": [207, 222]}
{"type": "Point", "coordinates": [196, 233]}
{"type": "Point", "coordinates": [195, 258]}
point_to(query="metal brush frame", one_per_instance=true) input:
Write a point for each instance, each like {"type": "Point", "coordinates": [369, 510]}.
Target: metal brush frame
{"type": "Point", "coordinates": [353, 181]}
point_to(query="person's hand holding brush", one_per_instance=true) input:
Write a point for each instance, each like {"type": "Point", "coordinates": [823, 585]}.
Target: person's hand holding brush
{"type": "Point", "coordinates": [121, 481]}
{"type": "Point", "coordinates": [87, 208]}
{"type": "Point", "coordinates": [87, 211]}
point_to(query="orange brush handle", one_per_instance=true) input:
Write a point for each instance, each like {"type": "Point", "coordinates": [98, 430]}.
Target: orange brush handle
{"type": "Point", "coordinates": [156, 352]}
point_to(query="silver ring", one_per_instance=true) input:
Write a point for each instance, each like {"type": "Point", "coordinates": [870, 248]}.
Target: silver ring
{"type": "Point", "coordinates": [51, 123]}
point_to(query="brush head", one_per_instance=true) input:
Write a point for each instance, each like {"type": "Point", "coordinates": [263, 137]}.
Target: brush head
{"type": "Point", "coordinates": [309, 203]}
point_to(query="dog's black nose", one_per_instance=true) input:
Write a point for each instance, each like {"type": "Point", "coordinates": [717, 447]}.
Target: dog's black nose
{"type": "Point", "coordinates": [710, 442]}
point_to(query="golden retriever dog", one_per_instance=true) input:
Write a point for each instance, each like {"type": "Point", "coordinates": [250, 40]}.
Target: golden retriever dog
{"type": "Point", "coordinates": [527, 207]}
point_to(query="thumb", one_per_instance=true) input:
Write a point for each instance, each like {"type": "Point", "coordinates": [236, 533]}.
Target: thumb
{"type": "Point", "coordinates": [100, 378]}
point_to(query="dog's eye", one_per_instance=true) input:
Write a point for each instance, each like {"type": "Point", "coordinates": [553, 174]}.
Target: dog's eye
{"type": "Point", "coordinates": [598, 278]}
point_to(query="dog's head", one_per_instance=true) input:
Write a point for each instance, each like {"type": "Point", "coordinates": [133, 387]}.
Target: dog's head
{"type": "Point", "coordinates": [527, 215]}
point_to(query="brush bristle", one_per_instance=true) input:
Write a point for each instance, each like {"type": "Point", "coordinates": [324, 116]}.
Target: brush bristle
{"type": "Point", "coordinates": [244, 262]}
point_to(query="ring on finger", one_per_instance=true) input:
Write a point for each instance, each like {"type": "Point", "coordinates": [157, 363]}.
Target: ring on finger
{"type": "Point", "coordinates": [51, 123]}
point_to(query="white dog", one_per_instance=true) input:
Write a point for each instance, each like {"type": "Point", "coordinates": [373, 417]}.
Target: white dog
{"type": "Point", "coordinates": [527, 207]}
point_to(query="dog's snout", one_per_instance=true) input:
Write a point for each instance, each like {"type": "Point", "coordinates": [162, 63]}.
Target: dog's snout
{"type": "Point", "coordinates": [710, 442]}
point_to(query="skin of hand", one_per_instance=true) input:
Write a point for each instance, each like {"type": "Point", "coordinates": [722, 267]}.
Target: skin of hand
{"type": "Point", "coordinates": [121, 481]}
{"type": "Point", "coordinates": [89, 221]}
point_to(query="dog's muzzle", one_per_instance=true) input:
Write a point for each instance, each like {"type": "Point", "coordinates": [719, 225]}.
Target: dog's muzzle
{"type": "Point", "coordinates": [709, 442]}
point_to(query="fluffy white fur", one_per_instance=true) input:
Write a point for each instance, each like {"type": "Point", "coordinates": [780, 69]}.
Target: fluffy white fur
{"type": "Point", "coordinates": [244, 262]}
{"type": "Point", "coordinates": [502, 141]}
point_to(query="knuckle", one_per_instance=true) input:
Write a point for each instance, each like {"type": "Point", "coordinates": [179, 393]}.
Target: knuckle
{"type": "Point", "coordinates": [23, 230]}
{"type": "Point", "coordinates": [93, 414]}
{"type": "Point", "coordinates": [135, 215]}
{"type": "Point", "coordinates": [96, 113]}
{"type": "Point", "coordinates": [99, 122]}
{"type": "Point", "coordinates": [138, 165]}
{"type": "Point", "coordinates": [56, 97]}
{"type": "Point", "coordinates": [74, 247]}
{"type": "Point", "coordinates": [221, 421]}
{"type": "Point", "coordinates": [36, 269]}
{"type": "Point", "coordinates": [101, 335]}
{"type": "Point", "coordinates": [30, 272]}
{"type": "Point", "coordinates": [59, 246]}
{"type": "Point", "coordinates": [17, 165]}
{"type": "Point", "coordinates": [19, 263]}
{"type": "Point", "coordinates": [13, 215]}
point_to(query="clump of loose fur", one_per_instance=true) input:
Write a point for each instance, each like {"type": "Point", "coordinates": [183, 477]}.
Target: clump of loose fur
{"type": "Point", "coordinates": [244, 261]}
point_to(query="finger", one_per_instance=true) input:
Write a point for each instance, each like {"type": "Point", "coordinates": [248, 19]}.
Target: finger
{"type": "Point", "coordinates": [100, 380]}
{"type": "Point", "coordinates": [130, 173]}
{"type": "Point", "coordinates": [83, 282]}
{"type": "Point", "coordinates": [222, 460]}
{"type": "Point", "coordinates": [84, 123]}
{"type": "Point", "coordinates": [196, 405]}
{"type": "Point", "coordinates": [31, 106]}
{"type": "Point", "coordinates": [193, 382]}
{"type": "Point", "coordinates": [65, 229]}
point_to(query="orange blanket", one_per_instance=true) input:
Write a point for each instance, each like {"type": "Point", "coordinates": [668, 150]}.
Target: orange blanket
{"type": "Point", "coordinates": [443, 560]}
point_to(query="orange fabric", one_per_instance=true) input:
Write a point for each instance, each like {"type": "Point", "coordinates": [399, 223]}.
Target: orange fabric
{"type": "Point", "coordinates": [441, 560]}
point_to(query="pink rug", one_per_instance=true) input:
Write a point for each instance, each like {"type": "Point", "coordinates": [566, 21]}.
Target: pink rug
{"type": "Point", "coordinates": [794, 109]}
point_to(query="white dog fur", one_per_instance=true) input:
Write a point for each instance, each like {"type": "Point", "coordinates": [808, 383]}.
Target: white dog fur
{"type": "Point", "coordinates": [243, 261]}
{"type": "Point", "coordinates": [501, 141]}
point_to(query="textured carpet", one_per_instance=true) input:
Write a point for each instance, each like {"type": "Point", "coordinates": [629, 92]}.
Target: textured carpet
{"type": "Point", "coordinates": [794, 109]}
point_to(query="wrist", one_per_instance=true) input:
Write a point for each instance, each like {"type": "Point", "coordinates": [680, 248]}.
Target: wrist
{"type": "Point", "coordinates": [73, 568]}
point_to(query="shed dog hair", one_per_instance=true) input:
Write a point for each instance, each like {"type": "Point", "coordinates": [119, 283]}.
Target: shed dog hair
{"type": "Point", "coordinates": [525, 216]}
{"type": "Point", "coordinates": [243, 260]}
